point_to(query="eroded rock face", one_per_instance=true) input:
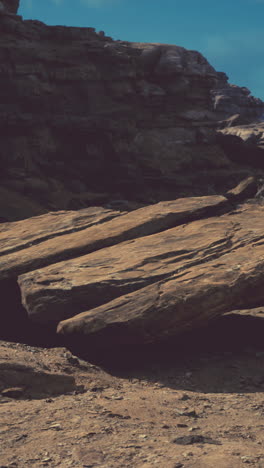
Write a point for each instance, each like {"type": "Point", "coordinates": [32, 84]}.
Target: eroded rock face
{"type": "Point", "coordinates": [252, 134]}
{"type": "Point", "coordinates": [86, 120]}
{"type": "Point", "coordinates": [115, 279]}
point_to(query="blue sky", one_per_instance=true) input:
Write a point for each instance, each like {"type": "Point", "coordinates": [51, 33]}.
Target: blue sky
{"type": "Point", "coordinates": [229, 33]}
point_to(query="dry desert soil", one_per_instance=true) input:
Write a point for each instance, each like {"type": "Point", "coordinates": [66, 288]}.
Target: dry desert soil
{"type": "Point", "coordinates": [196, 403]}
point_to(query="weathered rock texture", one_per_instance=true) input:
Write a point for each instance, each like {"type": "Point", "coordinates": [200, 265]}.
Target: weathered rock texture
{"type": "Point", "coordinates": [33, 243]}
{"type": "Point", "coordinates": [86, 120]}
{"type": "Point", "coordinates": [198, 271]}
{"type": "Point", "coordinates": [252, 134]}
{"type": "Point", "coordinates": [234, 101]}
{"type": "Point", "coordinates": [114, 278]}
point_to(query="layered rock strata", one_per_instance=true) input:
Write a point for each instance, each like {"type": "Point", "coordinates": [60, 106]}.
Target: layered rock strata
{"type": "Point", "coordinates": [116, 279]}
{"type": "Point", "coordinates": [86, 120]}
{"type": "Point", "coordinates": [235, 102]}
{"type": "Point", "coordinates": [252, 134]}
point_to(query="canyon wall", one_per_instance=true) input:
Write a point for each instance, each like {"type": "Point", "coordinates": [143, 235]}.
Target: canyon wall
{"type": "Point", "coordinates": [86, 120]}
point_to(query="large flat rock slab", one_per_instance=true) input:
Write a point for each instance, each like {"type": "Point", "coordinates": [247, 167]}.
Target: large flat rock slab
{"type": "Point", "coordinates": [23, 234]}
{"type": "Point", "coordinates": [226, 275]}
{"type": "Point", "coordinates": [53, 237]}
{"type": "Point", "coordinates": [70, 287]}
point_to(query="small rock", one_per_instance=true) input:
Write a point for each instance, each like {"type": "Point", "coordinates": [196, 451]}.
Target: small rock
{"type": "Point", "coordinates": [195, 439]}
{"type": "Point", "coordinates": [246, 459]}
{"type": "Point", "coordinates": [187, 454]}
{"type": "Point", "coordinates": [184, 397]}
{"type": "Point", "coordinates": [21, 437]}
{"type": "Point", "coordinates": [190, 413]}
{"type": "Point", "coordinates": [56, 427]}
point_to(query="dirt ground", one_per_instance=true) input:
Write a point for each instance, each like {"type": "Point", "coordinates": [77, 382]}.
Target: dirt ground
{"type": "Point", "coordinates": [197, 405]}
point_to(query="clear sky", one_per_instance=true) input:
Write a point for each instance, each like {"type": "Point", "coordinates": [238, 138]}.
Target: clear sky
{"type": "Point", "coordinates": [229, 33]}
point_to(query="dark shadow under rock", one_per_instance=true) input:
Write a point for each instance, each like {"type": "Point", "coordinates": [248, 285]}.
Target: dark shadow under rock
{"type": "Point", "coordinates": [227, 355]}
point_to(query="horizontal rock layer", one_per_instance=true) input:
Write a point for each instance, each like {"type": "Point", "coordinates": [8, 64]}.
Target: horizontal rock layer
{"type": "Point", "coordinates": [86, 120]}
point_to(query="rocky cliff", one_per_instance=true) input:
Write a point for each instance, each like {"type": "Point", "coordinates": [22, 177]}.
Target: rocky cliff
{"type": "Point", "coordinates": [87, 120]}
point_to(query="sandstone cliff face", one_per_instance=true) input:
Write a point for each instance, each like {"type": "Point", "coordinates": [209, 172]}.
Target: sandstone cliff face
{"type": "Point", "coordinates": [87, 120]}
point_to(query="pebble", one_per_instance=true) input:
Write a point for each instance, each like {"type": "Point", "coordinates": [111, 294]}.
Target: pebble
{"type": "Point", "coordinates": [190, 413]}
{"type": "Point", "coordinates": [56, 427]}
{"type": "Point", "coordinates": [246, 459]}
{"type": "Point", "coordinates": [184, 397]}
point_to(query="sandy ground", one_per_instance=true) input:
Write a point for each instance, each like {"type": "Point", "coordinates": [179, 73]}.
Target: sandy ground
{"type": "Point", "coordinates": [199, 407]}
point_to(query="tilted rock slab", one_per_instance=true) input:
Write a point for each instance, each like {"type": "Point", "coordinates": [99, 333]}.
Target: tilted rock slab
{"type": "Point", "coordinates": [212, 266]}
{"type": "Point", "coordinates": [159, 284]}
{"type": "Point", "coordinates": [50, 238]}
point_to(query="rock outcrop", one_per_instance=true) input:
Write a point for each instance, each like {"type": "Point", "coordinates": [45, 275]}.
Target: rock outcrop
{"type": "Point", "coordinates": [197, 271]}
{"type": "Point", "coordinates": [86, 120]}
{"type": "Point", "coordinates": [252, 134]}
{"type": "Point", "coordinates": [112, 279]}
{"type": "Point", "coordinates": [231, 101]}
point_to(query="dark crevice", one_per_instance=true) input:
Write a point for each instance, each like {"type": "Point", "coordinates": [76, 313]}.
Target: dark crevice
{"type": "Point", "coordinates": [15, 325]}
